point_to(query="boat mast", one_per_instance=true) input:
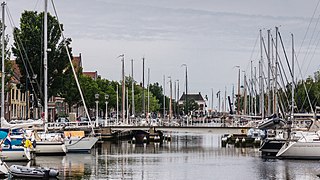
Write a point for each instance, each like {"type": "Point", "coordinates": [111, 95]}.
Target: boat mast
{"type": "Point", "coordinates": [45, 65]}
{"type": "Point", "coordinates": [132, 89]}
{"type": "Point", "coordinates": [292, 87]}
{"type": "Point", "coordinates": [261, 78]}
{"type": "Point", "coordinates": [164, 96]}
{"type": "Point", "coordinates": [269, 72]}
{"type": "Point", "coordinates": [127, 98]}
{"type": "Point", "coordinates": [178, 111]}
{"type": "Point", "coordinates": [2, 61]}
{"type": "Point", "coordinates": [123, 92]}
{"type": "Point", "coordinates": [276, 109]}
{"type": "Point", "coordinates": [251, 91]}
{"type": "Point", "coordinates": [238, 98]}
{"type": "Point", "coordinates": [255, 91]}
{"type": "Point", "coordinates": [148, 103]}
{"type": "Point", "coordinates": [170, 102]}
{"type": "Point", "coordinates": [143, 95]}
{"type": "Point", "coordinates": [244, 93]}
{"type": "Point", "coordinates": [225, 99]}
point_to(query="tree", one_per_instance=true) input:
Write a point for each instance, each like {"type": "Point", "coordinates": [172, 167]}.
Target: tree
{"type": "Point", "coordinates": [7, 63]}
{"type": "Point", "coordinates": [192, 105]}
{"type": "Point", "coordinates": [157, 91]}
{"type": "Point", "coordinates": [28, 50]}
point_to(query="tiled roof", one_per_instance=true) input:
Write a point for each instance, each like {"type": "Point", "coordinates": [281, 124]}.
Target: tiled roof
{"type": "Point", "coordinates": [196, 97]}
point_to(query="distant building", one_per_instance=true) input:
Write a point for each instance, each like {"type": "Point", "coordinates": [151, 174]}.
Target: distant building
{"type": "Point", "coordinates": [93, 75]}
{"type": "Point", "coordinates": [197, 98]}
{"type": "Point", "coordinates": [19, 105]}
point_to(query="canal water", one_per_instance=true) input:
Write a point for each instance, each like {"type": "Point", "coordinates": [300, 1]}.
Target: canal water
{"type": "Point", "coordinates": [187, 156]}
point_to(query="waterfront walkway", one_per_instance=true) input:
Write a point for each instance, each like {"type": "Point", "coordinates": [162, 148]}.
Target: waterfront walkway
{"type": "Point", "coordinates": [198, 128]}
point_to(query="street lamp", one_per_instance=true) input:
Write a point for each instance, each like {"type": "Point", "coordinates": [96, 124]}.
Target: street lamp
{"type": "Point", "coordinates": [106, 117]}
{"type": "Point", "coordinates": [97, 104]}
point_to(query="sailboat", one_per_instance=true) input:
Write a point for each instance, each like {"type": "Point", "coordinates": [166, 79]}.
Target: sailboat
{"type": "Point", "coordinates": [301, 145]}
{"type": "Point", "coordinates": [10, 151]}
{"type": "Point", "coordinates": [47, 143]}
{"type": "Point", "coordinates": [76, 141]}
{"type": "Point", "coordinates": [79, 142]}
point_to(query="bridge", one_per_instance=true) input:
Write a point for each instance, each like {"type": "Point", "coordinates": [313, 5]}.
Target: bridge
{"type": "Point", "coordinates": [199, 128]}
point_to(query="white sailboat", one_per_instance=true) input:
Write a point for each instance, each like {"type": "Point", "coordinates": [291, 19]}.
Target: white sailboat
{"type": "Point", "coordinates": [76, 141]}
{"type": "Point", "coordinates": [47, 143]}
{"type": "Point", "coordinates": [301, 145]}
{"type": "Point", "coordinates": [306, 147]}
{"type": "Point", "coordinates": [9, 152]}
{"type": "Point", "coordinates": [86, 142]}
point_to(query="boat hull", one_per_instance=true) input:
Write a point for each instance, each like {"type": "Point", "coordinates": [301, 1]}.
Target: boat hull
{"type": "Point", "coordinates": [50, 148]}
{"type": "Point", "coordinates": [84, 144]}
{"type": "Point", "coordinates": [16, 154]}
{"type": "Point", "coordinates": [300, 150]}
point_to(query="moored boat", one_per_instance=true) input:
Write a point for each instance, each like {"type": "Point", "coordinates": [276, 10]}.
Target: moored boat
{"type": "Point", "coordinates": [76, 141]}
{"type": "Point", "coordinates": [306, 147]}
{"type": "Point", "coordinates": [31, 172]}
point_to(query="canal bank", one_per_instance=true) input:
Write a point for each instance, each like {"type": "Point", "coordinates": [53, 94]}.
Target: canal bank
{"type": "Point", "coordinates": [187, 156]}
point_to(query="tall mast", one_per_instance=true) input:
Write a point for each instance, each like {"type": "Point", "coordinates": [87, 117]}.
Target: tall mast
{"type": "Point", "coordinates": [148, 107]}
{"type": "Point", "coordinates": [175, 97]}
{"type": "Point", "coordinates": [123, 91]}
{"type": "Point", "coordinates": [292, 87]}
{"type": "Point", "coordinates": [232, 99]}
{"type": "Point", "coordinates": [219, 101]}
{"type": "Point", "coordinates": [211, 99]}
{"type": "Point", "coordinates": [261, 79]}
{"type": "Point", "coordinates": [269, 72]}
{"type": "Point", "coordinates": [127, 98]}
{"type": "Point", "coordinates": [143, 100]}
{"type": "Point", "coordinates": [132, 89]}
{"type": "Point", "coordinates": [164, 96]}
{"type": "Point", "coordinates": [238, 97]}
{"type": "Point", "coordinates": [178, 98]}
{"type": "Point", "coordinates": [225, 99]}
{"type": "Point", "coordinates": [255, 91]}
{"type": "Point", "coordinates": [2, 61]}
{"type": "Point", "coordinates": [251, 90]}
{"type": "Point", "coordinates": [45, 61]}
{"type": "Point", "coordinates": [245, 94]}
{"type": "Point", "coordinates": [276, 110]}
{"type": "Point", "coordinates": [170, 105]}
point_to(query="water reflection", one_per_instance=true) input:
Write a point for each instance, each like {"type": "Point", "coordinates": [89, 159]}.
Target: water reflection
{"type": "Point", "coordinates": [187, 156]}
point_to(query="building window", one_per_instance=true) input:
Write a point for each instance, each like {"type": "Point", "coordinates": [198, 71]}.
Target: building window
{"type": "Point", "coordinates": [12, 92]}
{"type": "Point", "coordinates": [17, 95]}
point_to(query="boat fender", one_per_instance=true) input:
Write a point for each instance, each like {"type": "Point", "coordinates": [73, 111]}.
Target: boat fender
{"type": "Point", "coordinates": [34, 143]}
{"type": "Point", "coordinates": [53, 173]}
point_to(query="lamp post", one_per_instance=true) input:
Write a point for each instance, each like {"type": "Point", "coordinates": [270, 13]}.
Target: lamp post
{"type": "Point", "coordinates": [97, 109]}
{"type": "Point", "coordinates": [106, 117]}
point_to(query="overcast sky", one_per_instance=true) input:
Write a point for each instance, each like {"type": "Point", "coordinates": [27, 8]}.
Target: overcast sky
{"type": "Point", "coordinates": [210, 36]}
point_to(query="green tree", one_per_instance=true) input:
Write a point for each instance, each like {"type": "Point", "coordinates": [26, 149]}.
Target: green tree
{"type": "Point", "coordinates": [7, 63]}
{"type": "Point", "coordinates": [28, 50]}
